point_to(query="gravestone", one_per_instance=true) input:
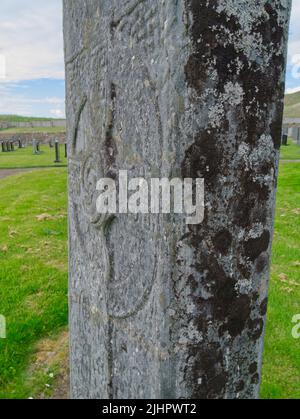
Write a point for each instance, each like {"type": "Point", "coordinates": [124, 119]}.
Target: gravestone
{"type": "Point", "coordinates": [3, 147]}
{"type": "Point", "coordinates": [57, 152]}
{"type": "Point", "coordinates": [20, 144]}
{"type": "Point", "coordinates": [285, 130]}
{"type": "Point", "coordinates": [284, 140]}
{"type": "Point", "coordinates": [188, 89]}
{"type": "Point", "coordinates": [34, 147]}
{"type": "Point", "coordinates": [294, 133]}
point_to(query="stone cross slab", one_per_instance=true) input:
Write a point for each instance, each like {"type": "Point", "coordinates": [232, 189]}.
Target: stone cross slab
{"type": "Point", "coordinates": [188, 89]}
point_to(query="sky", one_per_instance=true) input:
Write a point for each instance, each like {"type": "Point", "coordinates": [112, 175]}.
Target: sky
{"type": "Point", "coordinates": [32, 64]}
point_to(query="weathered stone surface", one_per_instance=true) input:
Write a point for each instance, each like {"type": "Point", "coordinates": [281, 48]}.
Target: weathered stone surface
{"type": "Point", "coordinates": [173, 88]}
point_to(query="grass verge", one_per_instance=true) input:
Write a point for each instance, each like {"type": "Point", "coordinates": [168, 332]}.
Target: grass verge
{"type": "Point", "coordinates": [281, 372]}
{"type": "Point", "coordinates": [33, 270]}
{"type": "Point", "coordinates": [291, 151]}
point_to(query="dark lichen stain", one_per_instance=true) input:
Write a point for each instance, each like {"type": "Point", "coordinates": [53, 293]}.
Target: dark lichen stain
{"type": "Point", "coordinates": [255, 379]}
{"type": "Point", "coordinates": [240, 386]}
{"type": "Point", "coordinates": [249, 202]}
{"type": "Point", "coordinates": [210, 156]}
{"type": "Point", "coordinates": [262, 263]}
{"type": "Point", "coordinates": [207, 372]}
{"type": "Point", "coordinates": [203, 159]}
{"type": "Point", "coordinates": [209, 32]}
{"type": "Point", "coordinates": [253, 248]}
{"type": "Point", "coordinates": [207, 45]}
{"type": "Point", "coordinates": [253, 368]}
{"type": "Point", "coordinates": [264, 307]}
{"type": "Point", "coordinates": [245, 270]}
{"type": "Point", "coordinates": [226, 305]}
{"type": "Point", "coordinates": [222, 241]}
{"type": "Point", "coordinates": [256, 328]}
{"type": "Point", "coordinates": [276, 125]}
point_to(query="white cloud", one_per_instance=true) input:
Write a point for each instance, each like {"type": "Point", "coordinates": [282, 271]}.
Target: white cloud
{"type": "Point", "coordinates": [12, 103]}
{"type": "Point", "coordinates": [31, 39]}
{"type": "Point", "coordinates": [293, 90]}
{"type": "Point", "coordinates": [58, 113]}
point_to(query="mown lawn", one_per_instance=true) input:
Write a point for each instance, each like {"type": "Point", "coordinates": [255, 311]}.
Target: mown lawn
{"type": "Point", "coordinates": [24, 158]}
{"type": "Point", "coordinates": [33, 272]}
{"type": "Point", "coordinates": [33, 282]}
{"type": "Point", "coordinates": [281, 373]}
{"type": "Point", "coordinates": [291, 151]}
{"type": "Point", "coordinates": [18, 118]}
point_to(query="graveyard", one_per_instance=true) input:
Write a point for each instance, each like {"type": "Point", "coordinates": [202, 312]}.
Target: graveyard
{"type": "Point", "coordinates": [25, 158]}
{"type": "Point", "coordinates": [33, 255]}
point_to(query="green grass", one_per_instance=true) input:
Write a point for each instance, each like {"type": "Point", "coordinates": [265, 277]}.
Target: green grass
{"type": "Point", "coordinates": [32, 130]}
{"type": "Point", "coordinates": [18, 118]}
{"type": "Point", "coordinates": [33, 271]}
{"type": "Point", "coordinates": [291, 151]}
{"type": "Point", "coordinates": [24, 158]}
{"type": "Point", "coordinates": [281, 373]}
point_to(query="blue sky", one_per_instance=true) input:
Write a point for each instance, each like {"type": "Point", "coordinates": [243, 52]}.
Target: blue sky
{"type": "Point", "coordinates": [31, 44]}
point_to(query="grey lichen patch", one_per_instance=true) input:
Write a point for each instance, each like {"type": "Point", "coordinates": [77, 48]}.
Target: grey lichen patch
{"type": "Point", "coordinates": [235, 75]}
{"type": "Point", "coordinates": [238, 54]}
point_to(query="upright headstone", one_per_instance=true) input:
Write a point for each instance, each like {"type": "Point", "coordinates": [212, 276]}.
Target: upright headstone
{"type": "Point", "coordinates": [284, 140]}
{"type": "Point", "coordinates": [57, 152]}
{"type": "Point", "coordinates": [3, 147]}
{"type": "Point", "coordinates": [285, 130]}
{"type": "Point", "coordinates": [66, 150]}
{"type": "Point", "coordinates": [298, 136]}
{"type": "Point", "coordinates": [34, 150]}
{"type": "Point", "coordinates": [294, 133]}
{"type": "Point", "coordinates": [188, 89]}
{"type": "Point", "coordinates": [8, 146]}
{"type": "Point", "coordinates": [12, 146]}
{"type": "Point", "coordinates": [20, 144]}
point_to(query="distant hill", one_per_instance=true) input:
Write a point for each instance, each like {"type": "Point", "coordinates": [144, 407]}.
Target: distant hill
{"type": "Point", "coordinates": [292, 105]}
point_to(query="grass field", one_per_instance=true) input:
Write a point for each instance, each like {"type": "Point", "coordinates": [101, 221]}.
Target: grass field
{"type": "Point", "coordinates": [32, 130]}
{"type": "Point", "coordinates": [291, 151]}
{"type": "Point", "coordinates": [18, 118]}
{"type": "Point", "coordinates": [24, 158]}
{"type": "Point", "coordinates": [33, 273]}
{"type": "Point", "coordinates": [281, 377]}
{"type": "Point", "coordinates": [33, 284]}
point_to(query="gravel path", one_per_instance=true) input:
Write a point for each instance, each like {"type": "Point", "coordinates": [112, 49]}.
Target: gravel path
{"type": "Point", "coordinates": [8, 172]}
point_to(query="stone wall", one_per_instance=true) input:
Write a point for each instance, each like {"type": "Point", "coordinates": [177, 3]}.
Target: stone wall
{"type": "Point", "coordinates": [46, 124]}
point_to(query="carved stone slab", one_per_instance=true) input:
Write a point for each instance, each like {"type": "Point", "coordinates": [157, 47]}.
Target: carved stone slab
{"type": "Point", "coordinates": [184, 88]}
